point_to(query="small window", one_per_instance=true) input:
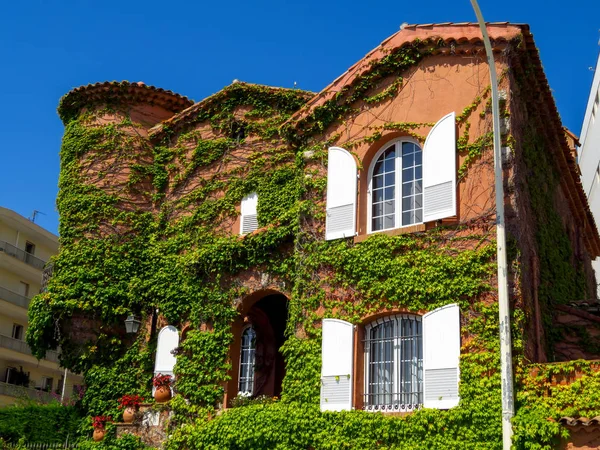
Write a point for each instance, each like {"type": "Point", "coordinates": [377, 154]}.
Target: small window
{"type": "Point", "coordinates": [247, 361]}
{"type": "Point", "coordinates": [396, 187]}
{"type": "Point", "coordinates": [24, 289]}
{"type": "Point", "coordinates": [11, 375]}
{"type": "Point", "coordinates": [17, 331]}
{"type": "Point", "coordinates": [394, 364]}
{"type": "Point", "coordinates": [249, 219]}
{"type": "Point", "coordinates": [47, 383]}
{"type": "Point", "coordinates": [30, 248]}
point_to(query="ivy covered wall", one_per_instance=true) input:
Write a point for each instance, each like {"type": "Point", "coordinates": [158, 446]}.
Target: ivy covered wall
{"type": "Point", "coordinates": [150, 225]}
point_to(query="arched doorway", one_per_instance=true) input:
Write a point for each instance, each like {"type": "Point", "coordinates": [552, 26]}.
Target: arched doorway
{"type": "Point", "coordinates": [258, 366]}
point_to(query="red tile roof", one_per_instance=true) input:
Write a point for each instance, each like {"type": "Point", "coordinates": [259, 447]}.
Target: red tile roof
{"type": "Point", "coordinates": [138, 92]}
{"type": "Point", "coordinates": [190, 113]}
{"type": "Point", "coordinates": [580, 422]}
{"type": "Point", "coordinates": [461, 38]}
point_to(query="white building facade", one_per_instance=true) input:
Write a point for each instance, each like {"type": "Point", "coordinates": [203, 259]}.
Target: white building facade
{"type": "Point", "coordinates": [25, 249]}
{"type": "Point", "coordinates": [589, 154]}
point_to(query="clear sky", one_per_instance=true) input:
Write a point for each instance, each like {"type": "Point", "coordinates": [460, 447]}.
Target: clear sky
{"type": "Point", "coordinates": [196, 48]}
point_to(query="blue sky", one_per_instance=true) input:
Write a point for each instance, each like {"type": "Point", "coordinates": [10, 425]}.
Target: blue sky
{"type": "Point", "coordinates": [196, 48]}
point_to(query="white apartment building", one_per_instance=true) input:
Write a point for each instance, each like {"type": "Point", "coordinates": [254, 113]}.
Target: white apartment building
{"type": "Point", "coordinates": [589, 154]}
{"type": "Point", "coordinates": [25, 249]}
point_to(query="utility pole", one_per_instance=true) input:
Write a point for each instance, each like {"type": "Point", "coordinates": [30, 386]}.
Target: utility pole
{"type": "Point", "coordinates": [506, 370]}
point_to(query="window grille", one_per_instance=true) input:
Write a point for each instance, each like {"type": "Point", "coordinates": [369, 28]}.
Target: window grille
{"type": "Point", "coordinates": [247, 360]}
{"type": "Point", "coordinates": [394, 364]}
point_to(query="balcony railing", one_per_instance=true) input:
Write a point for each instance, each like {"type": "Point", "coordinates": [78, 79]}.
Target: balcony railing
{"type": "Point", "coordinates": [22, 347]}
{"type": "Point", "coordinates": [13, 297]}
{"type": "Point", "coordinates": [22, 255]}
{"type": "Point", "coordinates": [12, 390]}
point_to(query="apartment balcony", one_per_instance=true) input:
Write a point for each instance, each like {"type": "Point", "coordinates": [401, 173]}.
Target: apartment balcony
{"type": "Point", "coordinates": [21, 346]}
{"type": "Point", "coordinates": [14, 298]}
{"type": "Point", "coordinates": [22, 255]}
{"type": "Point", "coordinates": [13, 390]}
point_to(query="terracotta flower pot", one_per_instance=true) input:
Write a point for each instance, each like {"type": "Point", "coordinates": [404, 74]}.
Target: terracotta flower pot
{"type": "Point", "coordinates": [162, 394]}
{"type": "Point", "coordinates": [98, 434]}
{"type": "Point", "coordinates": [129, 414]}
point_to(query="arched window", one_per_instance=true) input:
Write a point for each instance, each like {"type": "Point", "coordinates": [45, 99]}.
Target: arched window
{"type": "Point", "coordinates": [396, 187]}
{"type": "Point", "coordinates": [247, 361]}
{"type": "Point", "coordinates": [394, 364]}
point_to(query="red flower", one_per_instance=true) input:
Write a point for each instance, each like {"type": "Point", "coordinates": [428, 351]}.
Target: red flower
{"type": "Point", "coordinates": [98, 422]}
{"type": "Point", "coordinates": [160, 380]}
{"type": "Point", "coordinates": [130, 401]}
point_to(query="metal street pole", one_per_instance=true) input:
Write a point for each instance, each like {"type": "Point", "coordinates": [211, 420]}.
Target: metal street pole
{"type": "Point", "coordinates": [506, 371]}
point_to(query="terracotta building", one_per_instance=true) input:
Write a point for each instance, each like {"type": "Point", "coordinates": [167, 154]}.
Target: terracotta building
{"type": "Point", "coordinates": [333, 250]}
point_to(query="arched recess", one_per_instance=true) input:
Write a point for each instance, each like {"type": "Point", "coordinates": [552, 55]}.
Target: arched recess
{"type": "Point", "coordinates": [168, 340]}
{"type": "Point", "coordinates": [266, 312]}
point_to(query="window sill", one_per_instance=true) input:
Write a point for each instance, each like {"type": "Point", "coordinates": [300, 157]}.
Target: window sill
{"type": "Point", "coordinates": [394, 232]}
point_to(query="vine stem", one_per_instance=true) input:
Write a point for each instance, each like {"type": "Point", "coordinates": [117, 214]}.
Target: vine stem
{"type": "Point", "coordinates": [506, 370]}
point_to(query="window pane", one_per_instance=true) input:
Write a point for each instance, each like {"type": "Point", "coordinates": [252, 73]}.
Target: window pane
{"type": "Point", "coordinates": [406, 218]}
{"type": "Point", "coordinates": [390, 165]}
{"type": "Point", "coordinates": [378, 168]}
{"type": "Point", "coordinates": [418, 216]}
{"type": "Point", "coordinates": [407, 147]}
{"type": "Point", "coordinates": [390, 178]}
{"type": "Point", "coordinates": [389, 207]}
{"type": "Point", "coordinates": [418, 172]}
{"type": "Point", "coordinates": [390, 153]}
{"type": "Point", "coordinates": [418, 201]}
{"type": "Point", "coordinates": [378, 195]}
{"type": "Point", "coordinates": [377, 224]}
{"type": "Point", "coordinates": [378, 181]}
{"type": "Point", "coordinates": [407, 204]}
{"type": "Point", "coordinates": [408, 160]}
{"type": "Point", "coordinates": [418, 157]}
{"type": "Point", "coordinates": [418, 187]}
{"type": "Point", "coordinates": [407, 175]}
{"type": "Point", "coordinates": [389, 193]}
{"type": "Point", "coordinates": [389, 222]}
{"type": "Point", "coordinates": [377, 209]}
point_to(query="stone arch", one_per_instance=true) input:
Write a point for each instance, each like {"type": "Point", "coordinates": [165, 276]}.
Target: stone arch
{"type": "Point", "coordinates": [267, 312]}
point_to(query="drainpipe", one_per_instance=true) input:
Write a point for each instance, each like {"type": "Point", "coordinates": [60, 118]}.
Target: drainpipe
{"type": "Point", "coordinates": [508, 406]}
{"type": "Point", "coordinates": [64, 387]}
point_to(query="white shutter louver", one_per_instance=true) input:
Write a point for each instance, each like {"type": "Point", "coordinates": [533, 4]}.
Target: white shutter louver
{"type": "Point", "coordinates": [337, 355]}
{"type": "Point", "coordinates": [341, 194]}
{"type": "Point", "coordinates": [249, 221]}
{"type": "Point", "coordinates": [168, 340]}
{"type": "Point", "coordinates": [439, 170]}
{"type": "Point", "coordinates": [441, 355]}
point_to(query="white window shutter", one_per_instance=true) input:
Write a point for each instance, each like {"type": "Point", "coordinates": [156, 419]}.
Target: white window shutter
{"type": "Point", "coordinates": [249, 221]}
{"type": "Point", "coordinates": [439, 170]}
{"type": "Point", "coordinates": [337, 355]}
{"type": "Point", "coordinates": [441, 355]}
{"type": "Point", "coordinates": [168, 340]}
{"type": "Point", "coordinates": [341, 194]}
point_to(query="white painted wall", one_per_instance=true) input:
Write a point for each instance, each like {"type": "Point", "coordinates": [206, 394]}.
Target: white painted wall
{"type": "Point", "coordinates": [589, 155]}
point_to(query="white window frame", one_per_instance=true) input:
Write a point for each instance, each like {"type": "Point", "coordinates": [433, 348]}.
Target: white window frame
{"type": "Point", "coordinates": [246, 393]}
{"type": "Point", "coordinates": [47, 384]}
{"type": "Point", "coordinates": [398, 183]}
{"type": "Point", "coordinates": [397, 356]}
{"type": "Point", "coordinates": [18, 331]}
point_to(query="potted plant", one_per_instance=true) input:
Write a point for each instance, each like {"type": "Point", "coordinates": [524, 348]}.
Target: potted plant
{"type": "Point", "coordinates": [129, 404]}
{"type": "Point", "coordinates": [99, 424]}
{"type": "Point", "coordinates": [162, 385]}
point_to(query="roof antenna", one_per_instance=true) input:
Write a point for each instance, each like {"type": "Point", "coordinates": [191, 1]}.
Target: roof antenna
{"type": "Point", "coordinates": [295, 84]}
{"type": "Point", "coordinates": [34, 215]}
